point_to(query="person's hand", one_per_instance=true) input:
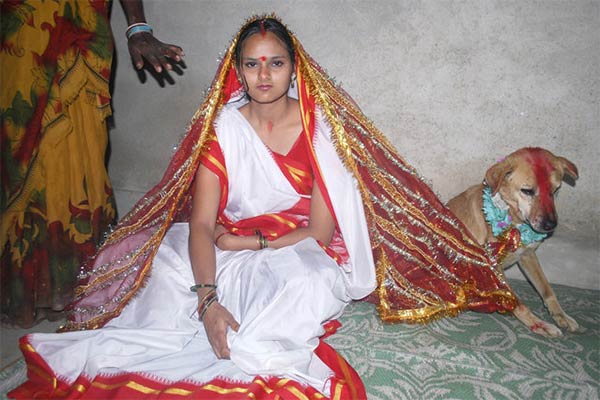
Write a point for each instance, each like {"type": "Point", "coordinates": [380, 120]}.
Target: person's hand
{"type": "Point", "coordinates": [216, 320]}
{"type": "Point", "coordinates": [144, 45]}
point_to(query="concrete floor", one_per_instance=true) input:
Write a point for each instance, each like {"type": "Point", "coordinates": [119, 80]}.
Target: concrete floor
{"type": "Point", "coordinates": [567, 260]}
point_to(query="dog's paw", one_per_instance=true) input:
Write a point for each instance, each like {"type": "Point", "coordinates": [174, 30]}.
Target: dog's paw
{"type": "Point", "coordinates": [566, 322]}
{"type": "Point", "coordinates": [546, 329]}
{"type": "Point", "coordinates": [535, 324]}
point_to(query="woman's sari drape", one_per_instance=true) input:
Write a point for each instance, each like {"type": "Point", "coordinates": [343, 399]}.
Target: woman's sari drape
{"type": "Point", "coordinates": [427, 265]}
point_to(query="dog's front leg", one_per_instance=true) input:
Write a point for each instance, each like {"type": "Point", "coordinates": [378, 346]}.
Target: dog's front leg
{"type": "Point", "coordinates": [531, 267]}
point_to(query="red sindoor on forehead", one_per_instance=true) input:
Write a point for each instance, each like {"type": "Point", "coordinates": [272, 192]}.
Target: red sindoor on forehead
{"type": "Point", "coordinates": [263, 58]}
{"type": "Point", "coordinates": [263, 30]}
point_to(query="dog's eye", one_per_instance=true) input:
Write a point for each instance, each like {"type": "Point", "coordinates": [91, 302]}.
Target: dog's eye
{"type": "Point", "coordinates": [528, 192]}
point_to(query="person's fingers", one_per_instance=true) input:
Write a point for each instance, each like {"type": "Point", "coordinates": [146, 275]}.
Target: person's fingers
{"type": "Point", "coordinates": [214, 346]}
{"type": "Point", "coordinates": [216, 321]}
{"type": "Point", "coordinates": [160, 57]}
{"type": "Point", "coordinates": [226, 354]}
{"type": "Point", "coordinates": [151, 58]}
{"type": "Point", "coordinates": [173, 52]}
{"type": "Point", "coordinates": [233, 323]}
{"type": "Point", "coordinates": [137, 59]}
{"type": "Point", "coordinates": [178, 51]}
{"type": "Point", "coordinates": [221, 344]}
{"type": "Point", "coordinates": [166, 63]}
{"type": "Point", "coordinates": [216, 342]}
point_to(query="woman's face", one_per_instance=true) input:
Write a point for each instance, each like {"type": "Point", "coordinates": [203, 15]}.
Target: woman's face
{"type": "Point", "coordinates": [266, 68]}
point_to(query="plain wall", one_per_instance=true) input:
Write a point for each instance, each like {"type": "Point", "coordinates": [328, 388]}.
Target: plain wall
{"type": "Point", "coordinates": [455, 85]}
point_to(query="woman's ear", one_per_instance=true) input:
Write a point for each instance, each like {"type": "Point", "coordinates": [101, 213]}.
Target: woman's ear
{"type": "Point", "coordinates": [241, 79]}
{"type": "Point", "coordinates": [238, 74]}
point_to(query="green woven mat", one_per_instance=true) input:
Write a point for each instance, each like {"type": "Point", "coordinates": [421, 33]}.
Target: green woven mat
{"type": "Point", "coordinates": [12, 376]}
{"type": "Point", "coordinates": [472, 356]}
{"type": "Point", "coordinates": [476, 356]}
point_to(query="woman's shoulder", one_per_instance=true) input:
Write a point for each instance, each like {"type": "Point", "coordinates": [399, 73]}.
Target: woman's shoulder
{"type": "Point", "coordinates": [230, 123]}
{"type": "Point", "coordinates": [227, 112]}
{"type": "Point", "coordinates": [228, 116]}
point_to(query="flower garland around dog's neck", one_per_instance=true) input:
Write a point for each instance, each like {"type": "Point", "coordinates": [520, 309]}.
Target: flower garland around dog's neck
{"type": "Point", "coordinates": [496, 214]}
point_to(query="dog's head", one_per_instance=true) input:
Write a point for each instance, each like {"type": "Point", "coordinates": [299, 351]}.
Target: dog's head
{"type": "Point", "coordinates": [528, 181]}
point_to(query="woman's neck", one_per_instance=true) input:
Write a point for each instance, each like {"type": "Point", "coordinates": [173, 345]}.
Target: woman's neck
{"type": "Point", "coordinates": [266, 116]}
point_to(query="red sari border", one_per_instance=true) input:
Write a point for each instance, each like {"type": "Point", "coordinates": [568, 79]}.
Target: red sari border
{"type": "Point", "coordinates": [44, 384]}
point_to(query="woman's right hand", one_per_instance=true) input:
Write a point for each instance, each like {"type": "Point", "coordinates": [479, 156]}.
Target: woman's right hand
{"type": "Point", "coordinates": [216, 320]}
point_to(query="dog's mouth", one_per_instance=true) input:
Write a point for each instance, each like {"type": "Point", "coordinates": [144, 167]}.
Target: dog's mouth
{"type": "Point", "coordinates": [544, 226]}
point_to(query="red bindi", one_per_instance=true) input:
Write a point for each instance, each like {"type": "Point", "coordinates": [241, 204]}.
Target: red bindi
{"type": "Point", "coordinates": [263, 58]}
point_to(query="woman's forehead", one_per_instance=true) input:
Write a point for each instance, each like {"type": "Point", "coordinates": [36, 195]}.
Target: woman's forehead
{"type": "Point", "coordinates": [268, 45]}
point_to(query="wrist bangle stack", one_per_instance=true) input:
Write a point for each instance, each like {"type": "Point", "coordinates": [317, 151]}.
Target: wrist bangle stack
{"type": "Point", "coordinates": [208, 299]}
{"type": "Point", "coordinates": [262, 241]}
{"type": "Point", "coordinates": [137, 28]}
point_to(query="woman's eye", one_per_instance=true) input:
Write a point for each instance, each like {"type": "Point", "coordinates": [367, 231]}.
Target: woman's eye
{"type": "Point", "coordinates": [250, 64]}
{"type": "Point", "coordinates": [277, 63]}
{"type": "Point", "coordinates": [528, 192]}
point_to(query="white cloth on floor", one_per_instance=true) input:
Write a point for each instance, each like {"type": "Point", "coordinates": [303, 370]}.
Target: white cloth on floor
{"type": "Point", "coordinates": [280, 297]}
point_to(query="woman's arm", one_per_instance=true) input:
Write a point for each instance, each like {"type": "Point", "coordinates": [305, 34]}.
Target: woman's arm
{"type": "Point", "coordinates": [205, 205]}
{"type": "Point", "coordinates": [321, 226]}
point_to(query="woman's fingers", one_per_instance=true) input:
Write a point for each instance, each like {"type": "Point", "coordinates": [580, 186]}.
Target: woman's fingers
{"type": "Point", "coordinates": [216, 320]}
{"type": "Point", "coordinates": [234, 324]}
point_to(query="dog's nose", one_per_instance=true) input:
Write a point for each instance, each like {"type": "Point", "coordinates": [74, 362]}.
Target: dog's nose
{"type": "Point", "coordinates": [549, 224]}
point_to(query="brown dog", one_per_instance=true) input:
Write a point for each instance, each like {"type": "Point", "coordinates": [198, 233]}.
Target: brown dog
{"type": "Point", "coordinates": [522, 186]}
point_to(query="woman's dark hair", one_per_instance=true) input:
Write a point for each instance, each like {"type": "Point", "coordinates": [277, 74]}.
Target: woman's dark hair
{"type": "Point", "coordinates": [262, 25]}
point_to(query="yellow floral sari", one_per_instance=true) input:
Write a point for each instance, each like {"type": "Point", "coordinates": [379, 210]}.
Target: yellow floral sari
{"type": "Point", "coordinates": [56, 197]}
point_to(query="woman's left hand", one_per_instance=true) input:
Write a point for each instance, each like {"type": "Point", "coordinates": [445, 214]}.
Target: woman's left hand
{"type": "Point", "coordinates": [144, 45]}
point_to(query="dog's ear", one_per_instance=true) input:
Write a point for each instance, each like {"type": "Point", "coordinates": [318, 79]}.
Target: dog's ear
{"type": "Point", "coordinates": [570, 173]}
{"type": "Point", "coordinates": [497, 173]}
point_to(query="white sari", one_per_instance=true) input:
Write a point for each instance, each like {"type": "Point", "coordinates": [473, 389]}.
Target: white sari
{"type": "Point", "coordinates": [280, 297]}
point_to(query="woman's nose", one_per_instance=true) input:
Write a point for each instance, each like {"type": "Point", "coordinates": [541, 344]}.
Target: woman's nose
{"type": "Point", "coordinates": [263, 72]}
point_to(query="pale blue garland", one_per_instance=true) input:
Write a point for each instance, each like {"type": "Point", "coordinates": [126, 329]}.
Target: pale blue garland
{"type": "Point", "coordinates": [500, 221]}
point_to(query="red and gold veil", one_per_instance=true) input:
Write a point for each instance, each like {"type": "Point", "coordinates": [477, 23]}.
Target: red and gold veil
{"type": "Point", "coordinates": [427, 265]}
